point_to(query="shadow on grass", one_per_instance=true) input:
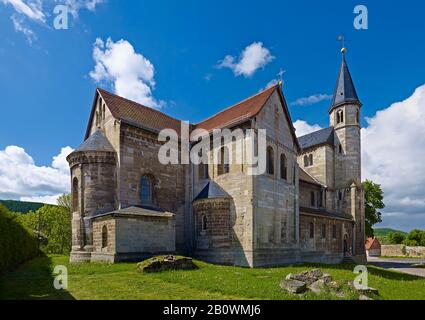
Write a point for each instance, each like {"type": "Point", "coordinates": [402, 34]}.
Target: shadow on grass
{"type": "Point", "coordinates": [32, 281]}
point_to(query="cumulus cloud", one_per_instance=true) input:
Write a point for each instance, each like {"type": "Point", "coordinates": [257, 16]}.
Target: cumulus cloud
{"type": "Point", "coordinates": [313, 99]}
{"type": "Point", "coordinates": [393, 153]}
{"type": "Point", "coordinates": [303, 128]}
{"type": "Point", "coordinates": [252, 58]}
{"type": "Point", "coordinates": [21, 178]}
{"type": "Point", "coordinates": [131, 74]}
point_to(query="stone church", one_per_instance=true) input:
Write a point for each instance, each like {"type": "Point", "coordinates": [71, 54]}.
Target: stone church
{"type": "Point", "coordinates": [308, 206]}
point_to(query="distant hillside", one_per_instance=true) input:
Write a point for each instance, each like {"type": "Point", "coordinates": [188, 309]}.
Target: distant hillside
{"type": "Point", "coordinates": [21, 206]}
{"type": "Point", "coordinates": [383, 232]}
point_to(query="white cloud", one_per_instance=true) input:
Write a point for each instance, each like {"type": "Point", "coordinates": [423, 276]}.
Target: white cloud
{"type": "Point", "coordinates": [269, 84]}
{"type": "Point", "coordinates": [393, 154]}
{"type": "Point", "coordinates": [303, 128]}
{"type": "Point", "coordinates": [252, 58]}
{"type": "Point", "coordinates": [31, 9]}
{"type": "Point", "coordinates": [21, 178]}
{"type": "Point", "coordinates": [45, 199]}
{"type": "Point", "coordinates": [76, 5]}
{"type": "Point", "coordinates": [19, 26]}
{"type": "Point", "coordinates": [130, 72]}
{"type": "Point", "coordinates": [39, 10]}
{"type": "Point", "coordinates": [313, 99]}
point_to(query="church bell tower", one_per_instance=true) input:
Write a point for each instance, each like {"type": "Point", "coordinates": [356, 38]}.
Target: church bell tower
{"type": "Point", "coordinates": [345, 119]}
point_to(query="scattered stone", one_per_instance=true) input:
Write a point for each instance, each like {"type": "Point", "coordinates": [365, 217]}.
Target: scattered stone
{"type": "Point", "coordinates": [327, 278]}
{"type": "Point", "coordinates": [364, 298]}
{"type": "Point", "coordinates": [334, 285]}
{"type": "Point", "coordinates": [318, 286]}
{"type": "Point", "coordinates": [368, 290]}
{"type": "Point", "coordinates": [166, 263]}
{"type": "Point", "coordinates": [293, 286]}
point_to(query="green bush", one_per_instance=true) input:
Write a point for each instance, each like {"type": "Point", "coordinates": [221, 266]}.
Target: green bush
{"type": "Point", "coordinates": [415, 238]}
{"type": "Point", "coordinates": [17, 243]}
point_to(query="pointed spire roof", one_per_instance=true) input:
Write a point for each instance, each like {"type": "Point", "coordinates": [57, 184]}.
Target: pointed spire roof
{"type": "Point", "coordinates": [212, 191]}
{"type": "Point", "coordinates": [96, 142]}
{"type": "Point", "coordinates": [345, 91]}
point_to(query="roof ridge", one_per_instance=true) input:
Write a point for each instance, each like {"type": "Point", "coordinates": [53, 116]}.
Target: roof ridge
{"type": "Point", "coordinates": [139, 104]}
{"type": "Point", "coordinates": [315, 132]}
{"type": "Point", "coordinates": [238, 103]}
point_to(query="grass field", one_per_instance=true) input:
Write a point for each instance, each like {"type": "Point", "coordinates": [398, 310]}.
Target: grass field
{"type": "Point", "coordinates": [34, 280]}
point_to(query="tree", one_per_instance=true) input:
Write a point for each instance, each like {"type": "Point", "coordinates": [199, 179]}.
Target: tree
{"type": "Point", "coordinates": [53, 223]}
{"type": "Point", "coordinates": [415, 238]}
{"type": "Point", "coordinates": [65, 201]}
{"type": "Point", "coordinates": [374, 197]}
{"type": "Point", "coordinates": [396, 237]}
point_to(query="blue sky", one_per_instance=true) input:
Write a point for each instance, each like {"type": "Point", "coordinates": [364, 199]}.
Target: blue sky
{"type": "Point", "coordinates": [47, 89]}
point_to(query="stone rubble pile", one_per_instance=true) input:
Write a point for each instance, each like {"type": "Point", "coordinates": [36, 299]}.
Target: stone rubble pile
{"type": "Point", "coordinates": [316, 281]}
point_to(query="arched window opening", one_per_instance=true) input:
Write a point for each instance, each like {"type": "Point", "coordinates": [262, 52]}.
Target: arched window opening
{"type": "Point", "coordinates": [358, 116]}
{"type": "Point", "coordinates": [223, 166]}
{"type": "Point", "coordinates": [270, 161]}
{"type": "Point", "coordinates": [305, 161]}
{"type": "Point", "coordinates": [324, 231]}
{"type": "Point", "coordinates": [146, 197]}
{"type": "Point", "coordinates": [203, 171]}
{"type": "Point", "coordinates": [311, 230]}
{"type": "Point", "coordinates": [334, 231]}
{"type": "Point", "coordinates": [340, 196]}
{"type": "Point", "coordinates": [204, 223]}
{"type": "Point", "coordinates": [313, 199]}
{"type": "Point", "coordinates": [340, 116]}
{"type": "Point", "coordinates": [75, 200]}
{"type": "Point", "coordinates": [340, 150]}
{"type": "Point", "coordinates": [283, 167]}
{"type": "Point", "coordinates": [311, 160]}
{"type": "Point", "coordinates": [104, 237]}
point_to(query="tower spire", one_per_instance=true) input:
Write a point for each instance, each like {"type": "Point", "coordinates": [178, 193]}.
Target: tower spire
{"type": "Point", "coordinates": [345, 91]}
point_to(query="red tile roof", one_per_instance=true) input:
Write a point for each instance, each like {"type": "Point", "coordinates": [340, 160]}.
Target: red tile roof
{"type": "Point", "coordinates": [137, 114]}
{"type": "Point", "coordinates": [244, 110]}
{"type": "Point", "coordinates": [370, 242]}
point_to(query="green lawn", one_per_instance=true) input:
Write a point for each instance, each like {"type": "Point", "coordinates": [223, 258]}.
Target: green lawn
{"type": "Point", "coordinates": [122, 281]}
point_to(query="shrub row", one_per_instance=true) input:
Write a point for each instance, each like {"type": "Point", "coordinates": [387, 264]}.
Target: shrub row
{"type": "Point", "coordinates": [17, 243]}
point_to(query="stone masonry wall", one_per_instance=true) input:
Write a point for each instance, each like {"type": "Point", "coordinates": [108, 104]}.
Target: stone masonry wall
{"type": "Point", "coordinates": [139, 151]}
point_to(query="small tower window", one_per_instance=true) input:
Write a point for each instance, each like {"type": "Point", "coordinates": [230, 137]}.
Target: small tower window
{"type": "Point", "coordinates": [146, 191]}
{"type": "Point", "coordinates": [340, 196]}
{"type": "Point", "coordinates": [324, 231]}
{"type": "Point", "coordinates": [311, 230]}
{"type": "Point", "coordinates": [204, 223]}
{"type": "Point", "coordinates": [104, 237]}
{"type": "Point", "coordinates": [313, 199]}
{"type": "Point", "coordinates": [340, 150]}
{"type": "Point", "coordinates": [311, 160]}
{"type": "Point", "coordinates": [270, 161]}
{"type": "Point", "coordinates": [358, 116]}
{"type": "Point", "coordinates": [340, 116]}
{"type": "Point", "coordinates": [75, 199]}
{"type": "Point", "coordinates": [283, 167]}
